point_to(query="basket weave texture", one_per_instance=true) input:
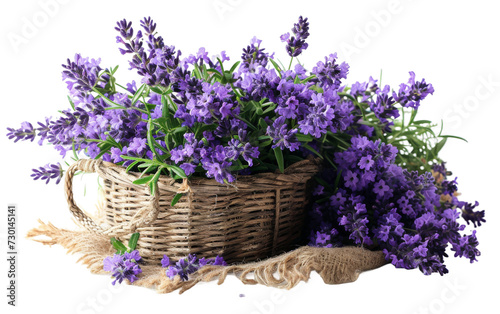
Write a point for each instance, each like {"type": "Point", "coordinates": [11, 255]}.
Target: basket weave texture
{"type": "Point", "coordinates": [262, 215]}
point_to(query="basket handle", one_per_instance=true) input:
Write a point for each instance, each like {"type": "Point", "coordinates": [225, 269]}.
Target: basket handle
{"type": "Point", "coordinates": [144, 216]}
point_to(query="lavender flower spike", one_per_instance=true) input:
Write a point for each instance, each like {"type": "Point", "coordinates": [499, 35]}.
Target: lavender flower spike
{"type": "Point", "coordinates": [25, 132]}
{"type": "Point", "coordinates": [295, 44]}
{"type": "Point", "coordinates": [188, 265]}
{"type": "Point", "coordinates": [48, 172]}
{"type": "Point", "coordinates": [123, 266]}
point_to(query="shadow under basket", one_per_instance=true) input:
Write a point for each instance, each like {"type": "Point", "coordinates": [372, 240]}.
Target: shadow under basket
{"type": "Point", "coordinates": [262, 215]}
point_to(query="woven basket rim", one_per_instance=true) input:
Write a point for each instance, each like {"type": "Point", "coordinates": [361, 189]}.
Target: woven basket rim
{"type": "Point", "coordinates": [241, 180]}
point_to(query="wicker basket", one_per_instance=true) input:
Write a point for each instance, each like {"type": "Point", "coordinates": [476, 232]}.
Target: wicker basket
{"type": "Point", "coordinates": [261, 217]}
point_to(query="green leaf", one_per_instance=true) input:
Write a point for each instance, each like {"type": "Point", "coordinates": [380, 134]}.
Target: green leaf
{"type": "Point", "coordinates": [262, 124]}
{"type": "Point", "coordinates": [214, 71]}
{"type": "Point", "coordinates": [453, 136]}
{"type": "Point", "coordinates": [422, 122]}
{"type": "Point", "coordinates": [337, 179]}
{"type": "Point", "coordinates": [75, 155]}
{"type": "Point", "coordinates": [221, 65]}
{"type": "Point", "coordinates": [113, 70]}
{"type": "Point", "coordinates": [263, 137]}
{"type": "Point", "coordinates": [247, 123]}
{"type": "Point", "coordinates": [131, 165]}
{"type": "Point", "coordinates": [132, 242]}
{"type": "Point", "coordinates": [118, 245]}
{"type": "Point", "coordinates": [180, 129]}
{"type": "Point", "coordinates": [312, 150]}
{"type": "Point", "coordinates": [160, 90]}
{"type": "Point", "coordinates": [104, 147]}
{"type": "Point", "coordinates": [276, 66]}
{"type": "Point", "coordinates": [150, 137]}
{"type": "Point", "coordinates": [154, 181]}
{"type": "Point", "coordinates": [71, 103]}
{"type": "Point", "coordinates": [271, 108]}
{"type": "Point", "coordinates": [156, 90]}
{"type": "Point", "coordinates": [176, 198]}
{"type": "Point", "coordinates": [197, 72]}
{"type": "Point", "coordinates": [237, 167]}
{"type": "Point", "coordinates": [258, 107]}
{"type": "Point", "coordinates": [316, 89]}
{"type": "Point", "coordinates": [303, 137]}
{"type": "Point", "coordinates": [138, 94]}
{"type": "Point", "coordinates": [438, 147]}
{"type": "Point", "coordinates": [323, 183]}
{"type": "Point", "coordinates": [307, 79]}
{"type": "Point", "coordinates": [177, 170]}
{"type": "Point", "coordinates": [265, 143]}
{"type": "Point", "coordinates": [143, 180]}
{"type": "Point", "coordinates": [234, 67]}
{"type": "Point", "coordinates": [107, 100]}
{"type": "Point", "coordinates": [279, 158]}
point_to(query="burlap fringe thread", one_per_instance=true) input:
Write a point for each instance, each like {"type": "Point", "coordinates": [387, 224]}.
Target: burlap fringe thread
{"type": "Point", "coordinates": [334, 265]}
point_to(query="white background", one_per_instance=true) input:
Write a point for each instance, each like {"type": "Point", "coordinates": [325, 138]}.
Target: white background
{"type": "Point", "coordinates": [453, 44]}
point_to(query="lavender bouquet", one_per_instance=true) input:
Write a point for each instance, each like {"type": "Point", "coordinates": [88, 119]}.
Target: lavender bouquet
{"type": "Point", "coordinates": [383, 185]}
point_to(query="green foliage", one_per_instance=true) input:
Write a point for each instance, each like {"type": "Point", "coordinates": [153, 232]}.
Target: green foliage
{"type": "Point", "coordinates": [121, 248]}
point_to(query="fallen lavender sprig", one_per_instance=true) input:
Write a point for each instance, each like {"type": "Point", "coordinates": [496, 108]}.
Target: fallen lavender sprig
{"type": "Point", "coordinates": [124, 264]}
{"type": "Point", "coordinates": [188, 265]}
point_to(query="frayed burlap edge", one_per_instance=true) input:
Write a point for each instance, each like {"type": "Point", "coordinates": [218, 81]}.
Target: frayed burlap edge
{"type": "Point", "coordinates": [334, 265]}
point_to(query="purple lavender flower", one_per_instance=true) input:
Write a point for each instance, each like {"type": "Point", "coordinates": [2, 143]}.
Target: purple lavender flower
{"type": "Point", "coordinates": [411, 94]}
{"type": "Point", "coordinates": [123, 266]}
{"type": "Point", "coordinates": [253, 57]}
{"type": "Point", "coordinates": [330, 73]}
{"type": "Point", "coordinates": [467, 247]}
{"type": "Point", "coordinates": [137, 146]}
{"type": "Point", "coordinates": [43, 130]}
{"type": "Point", "coordinates": [319, 116]}
{"type": "Point", "coordinates": [188, 265]}
{"type": "Point", "coordinates": [319, 190]}
{"type": "Point", "coordinates": [217, 167]}
{"type": "Point", "coordinates": [282, 136]}
{"type": "Point", "coordinates": [249, 152]}
{"type": "Point", "coordinates": [165, 261]}
{"type": "Point", "coordinates": [24, 133]}
{"type": "Point", "coordinates": [383, 106]}
{"type": "Point", "coordinates": [296, 43]}
{"type": "Point", "coordinates": [399, 209]}
{"type": "Point", "coordinates": [154, 62]}
{"type": "Point", "coordinates": [288, 108]}
{"type": "Point", "coordinates": [381, 188]}
{"type": "Point", "coordinates": [366, 162]}
{"type": "Point", "coordinates": [48, 172]}
{"type": "Point", "coordinates": [82, 75]}
{"type": "Point", "coordinates": [468, 213]}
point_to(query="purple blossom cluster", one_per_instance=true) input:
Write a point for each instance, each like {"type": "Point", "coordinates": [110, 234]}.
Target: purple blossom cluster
{"type": "Point", "coordinates": [48, 172]}
{"type": "Point", "coordinates": [82, 75]}
{"type": "Point", "coordinates": [253, 56]}
{"type": "Point", "coordinates": [89, 123]}
{"type": "Point", "coordinates": [297, 42]}
{"type": "Point", "coordinates": [410, 95]}
{"type": "Point", "coordinates": [123, 266]}
{"type": "Point", "coordinates": [449, 196]}
{"type": "Point", "coordinates": [383, 101]}
{"type": "Point", "coordinates": [215, 159]}
{"type": "Point", "coordinates": [378, 204]}
{"type": "Point", "coordinates": [152, 59]}
{"type": "Point", "coordinates": [220, 128]}
{"type": "Point", "coordinates": [188, 265]}
{"type": "Point", "coordinates": [299, 108]}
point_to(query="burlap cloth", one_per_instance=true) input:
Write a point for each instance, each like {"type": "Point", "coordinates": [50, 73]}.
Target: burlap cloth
{"type": "Point", "coordinates": [334, 265]}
